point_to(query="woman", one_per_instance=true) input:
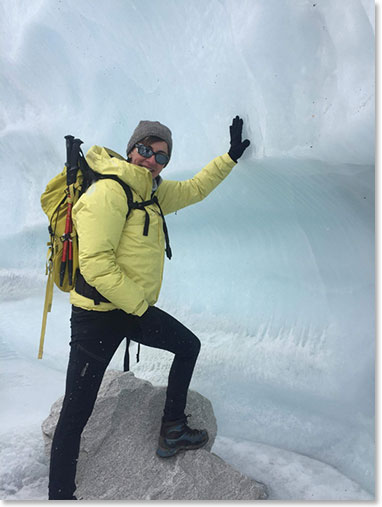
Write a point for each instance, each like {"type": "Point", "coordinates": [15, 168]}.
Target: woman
{"type": "Point", "coordinates": [121, 266]}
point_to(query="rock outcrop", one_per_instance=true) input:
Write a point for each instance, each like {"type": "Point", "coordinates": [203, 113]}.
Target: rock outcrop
{"type": "Point", "coordinates": [117, 459]}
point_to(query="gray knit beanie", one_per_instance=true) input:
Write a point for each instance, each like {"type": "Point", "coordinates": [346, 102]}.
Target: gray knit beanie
{"type": "Point", "coordinates": [147, 128]}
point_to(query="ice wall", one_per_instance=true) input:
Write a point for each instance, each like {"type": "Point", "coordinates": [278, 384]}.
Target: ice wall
{"type": "Point", "coordinates": [300, 72]}
{"type": "Point", "coordinates": [275, 271]}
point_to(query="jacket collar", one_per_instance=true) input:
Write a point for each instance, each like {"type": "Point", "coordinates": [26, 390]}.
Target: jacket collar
{"type": "Point", "coordinates": [105, 161]}
{"type": "Point", "coordinates": [156, 182]}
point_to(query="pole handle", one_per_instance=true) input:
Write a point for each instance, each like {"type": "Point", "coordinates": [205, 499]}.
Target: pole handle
{"type": "Point", "coordinates": [69, 141]}
{"type": "Point", "coordinates": [71, 174]}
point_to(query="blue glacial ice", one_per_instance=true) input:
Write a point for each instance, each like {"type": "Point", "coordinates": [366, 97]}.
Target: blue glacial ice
{"type": "Point", "coordinates": [274, 271]}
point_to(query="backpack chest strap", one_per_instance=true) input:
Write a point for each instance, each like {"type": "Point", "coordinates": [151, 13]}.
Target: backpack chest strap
{"type": "Point", "coordinates": [142, 206]}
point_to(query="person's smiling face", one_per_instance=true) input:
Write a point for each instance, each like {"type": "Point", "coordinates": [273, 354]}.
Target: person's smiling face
{"type": "Point", "coordinates": [150, 163]}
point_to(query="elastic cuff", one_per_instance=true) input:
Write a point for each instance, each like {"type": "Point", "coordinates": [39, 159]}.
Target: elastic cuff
{"type": "Point", "coordinates": [231, 157]}
{"type": "Point", "coordinates": [141, 309]}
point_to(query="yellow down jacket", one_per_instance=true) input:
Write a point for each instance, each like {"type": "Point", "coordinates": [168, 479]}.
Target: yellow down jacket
{"type": "Point", "coordinates": [115, 257]}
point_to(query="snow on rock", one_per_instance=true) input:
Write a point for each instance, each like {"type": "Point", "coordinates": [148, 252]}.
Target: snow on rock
{"type": "Point", "coordinates": [117, 458]}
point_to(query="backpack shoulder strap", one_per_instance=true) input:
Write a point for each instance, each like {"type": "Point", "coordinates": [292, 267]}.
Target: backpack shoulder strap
{"type": "Point", "coordinates": [125, 186]}
{"type": "Point", "coordinates": [139, 205]}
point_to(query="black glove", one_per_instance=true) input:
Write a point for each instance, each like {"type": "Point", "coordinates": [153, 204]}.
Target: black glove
{"type": "Point", "coordinates": [237, 146]}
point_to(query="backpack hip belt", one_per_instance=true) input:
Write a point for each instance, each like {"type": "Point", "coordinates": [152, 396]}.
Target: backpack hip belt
{"type": "Point", "coordinates": [84, 289]}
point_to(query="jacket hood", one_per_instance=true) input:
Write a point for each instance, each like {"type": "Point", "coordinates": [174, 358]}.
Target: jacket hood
{"type": "Point", "coordinates": [106, 161]}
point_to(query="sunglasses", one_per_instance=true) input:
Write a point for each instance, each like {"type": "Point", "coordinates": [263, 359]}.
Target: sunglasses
{"type": "Point", "coordinates": [145, 151]}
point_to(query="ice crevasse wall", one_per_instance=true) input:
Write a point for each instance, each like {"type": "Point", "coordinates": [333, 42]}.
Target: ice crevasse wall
{"type": "Point", "coordinates": [278, 265]}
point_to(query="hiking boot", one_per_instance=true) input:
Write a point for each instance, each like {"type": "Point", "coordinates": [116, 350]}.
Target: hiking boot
{"type": "Point", "coordinates": [176, 436]}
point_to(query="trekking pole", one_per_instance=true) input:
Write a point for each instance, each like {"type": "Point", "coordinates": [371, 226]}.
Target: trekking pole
{"type": "Point", "coordinates": [72, 146]}
{"type": "Point", "coordinates": [71, 179]}
{"type": "Point", "coordinates": [69, 143]}
{"type": "Point", "coordinates": [70, 254]}
{"type": "Point", "coordinates": [66, 241]}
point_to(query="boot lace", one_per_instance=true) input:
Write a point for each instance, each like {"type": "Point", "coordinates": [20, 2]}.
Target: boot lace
{"type": "Point", "coordinates": [188, 429]}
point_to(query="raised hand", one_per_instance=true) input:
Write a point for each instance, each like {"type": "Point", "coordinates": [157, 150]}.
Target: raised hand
{"type": "Point", "coordinates": [237, 145]}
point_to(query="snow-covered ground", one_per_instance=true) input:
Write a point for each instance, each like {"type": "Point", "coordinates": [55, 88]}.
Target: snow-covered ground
{"type": "Point", "coordinates": [24, 465]}
{"type": "Point", "coordinates": [288, 476]}
{"type": "Point", "coordinates": [30, 386]}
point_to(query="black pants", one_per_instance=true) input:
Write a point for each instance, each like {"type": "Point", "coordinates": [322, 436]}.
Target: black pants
{"type": "Point", "coordinates": [95, 338]}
